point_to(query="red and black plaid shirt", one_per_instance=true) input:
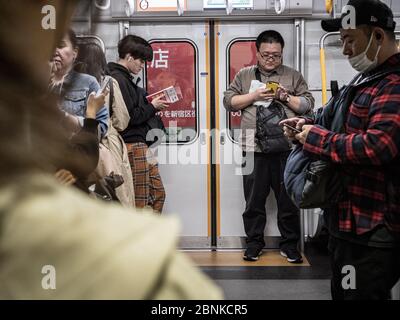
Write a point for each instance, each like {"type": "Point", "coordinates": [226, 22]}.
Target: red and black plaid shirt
{"type": "Point", "coordinates": [370, 144]}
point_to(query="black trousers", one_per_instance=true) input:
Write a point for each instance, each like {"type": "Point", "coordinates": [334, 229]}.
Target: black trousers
{"type": "Point", "coordinates": [267, 174]}
{"type": "Point", "coordinates": [377, 270]}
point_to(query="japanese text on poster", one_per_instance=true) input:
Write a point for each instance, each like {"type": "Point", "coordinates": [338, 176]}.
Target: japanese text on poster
{"type": "Point", "coordinates": [174, 64]}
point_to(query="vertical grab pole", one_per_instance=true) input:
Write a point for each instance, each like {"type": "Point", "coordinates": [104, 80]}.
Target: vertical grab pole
{"type": "Point", "coordinates": [323, 75]}
{"type": "Point", "coordinates": [302, 231]}
{"type": "Point", "coordinates": [299, 66]}
{"type": "Point", "coordinates": [323, 65]}
{"type": "Point", "coordinates": [213, 120]}
{"type": "Point", "coordinates": [297, 25]}
{"type": "Point", "coordinates": [303, 47]}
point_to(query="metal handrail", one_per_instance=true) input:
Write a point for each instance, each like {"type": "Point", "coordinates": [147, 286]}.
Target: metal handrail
{"type": "Point", "coordinates": [103, 6]}
{"type": "Point", "coordinates": [280, 6]}
{"type": "Point", "coordinates": [323, 64]}
{"type": "Point", "coordinates": [229, 6]}
{"type": "Point", "coordinates": [180, 7]}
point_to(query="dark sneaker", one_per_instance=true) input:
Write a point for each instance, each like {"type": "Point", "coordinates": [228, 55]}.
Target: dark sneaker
{"type": "Point", "coordinates": [252, 254]}
{"type": "Point", "coordinates": [292, 255]}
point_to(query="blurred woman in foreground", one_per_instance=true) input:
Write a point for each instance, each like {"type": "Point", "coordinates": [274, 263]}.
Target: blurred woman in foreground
{"type": "Point", "coordinates": [55, 243]}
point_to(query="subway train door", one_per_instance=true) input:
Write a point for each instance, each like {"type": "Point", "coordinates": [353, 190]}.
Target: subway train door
{"type": "Point", "coordinates": [235, 49]}
{"type": "Point", "coordinates": [180, 55]}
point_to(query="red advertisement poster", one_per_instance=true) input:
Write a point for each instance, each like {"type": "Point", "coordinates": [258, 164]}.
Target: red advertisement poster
{"type": "Point", "coordinates": [241, 54]}
{"type": "Point", "coordinates": [174, 64]}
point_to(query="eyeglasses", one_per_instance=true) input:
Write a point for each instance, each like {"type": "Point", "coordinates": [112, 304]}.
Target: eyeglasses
{"type": "Point", "coordinates": [274, 56]}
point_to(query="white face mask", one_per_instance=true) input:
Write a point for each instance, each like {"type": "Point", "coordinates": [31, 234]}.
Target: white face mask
{"type": "Point", "coordinates": [361, 63]}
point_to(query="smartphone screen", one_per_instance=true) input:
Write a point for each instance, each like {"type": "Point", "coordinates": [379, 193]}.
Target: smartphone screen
{"type": "Point", "coordinates": [272, 86]}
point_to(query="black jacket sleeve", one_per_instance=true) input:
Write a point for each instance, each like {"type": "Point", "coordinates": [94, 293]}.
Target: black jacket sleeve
{"type": "Point", "coordinates": [139, 109]}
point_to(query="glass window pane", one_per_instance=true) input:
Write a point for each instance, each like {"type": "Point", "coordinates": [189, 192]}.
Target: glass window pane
{"type": "Point", "coordinates": [174, 64]}
{"type": "Point", "coordinates": [242, 53]}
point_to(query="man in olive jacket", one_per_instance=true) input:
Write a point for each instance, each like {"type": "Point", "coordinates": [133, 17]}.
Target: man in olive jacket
{"type": "Point", "coordinates": [295, 98]}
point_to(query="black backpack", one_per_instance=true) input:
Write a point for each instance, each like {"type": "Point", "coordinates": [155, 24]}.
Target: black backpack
{"type": "Point", "coordinates": [269, 134]}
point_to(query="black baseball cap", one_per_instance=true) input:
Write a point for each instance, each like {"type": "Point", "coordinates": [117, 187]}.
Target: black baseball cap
{"type": "Point", "coordinates": [368, 12]}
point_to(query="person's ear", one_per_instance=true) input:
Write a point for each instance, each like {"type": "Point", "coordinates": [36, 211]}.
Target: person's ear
{"type": "Point", "coordinates": [379, 35]}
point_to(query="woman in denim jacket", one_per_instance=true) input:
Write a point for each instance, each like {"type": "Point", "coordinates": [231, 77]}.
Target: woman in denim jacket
{"type": "Point", "coordinates": [74, 87]}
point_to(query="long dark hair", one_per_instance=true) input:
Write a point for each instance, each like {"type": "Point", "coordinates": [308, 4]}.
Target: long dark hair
{"type": "Point", "coordinates": [73, 38]}
{"type": "Point", "coordinates": [91, 60]}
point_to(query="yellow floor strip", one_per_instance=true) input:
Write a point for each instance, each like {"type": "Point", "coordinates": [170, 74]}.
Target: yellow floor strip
{"type": "Point", "coordinates": [269, 258]}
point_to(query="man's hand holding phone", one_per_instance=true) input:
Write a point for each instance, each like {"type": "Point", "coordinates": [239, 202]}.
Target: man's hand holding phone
{"type": "Point", "coordinates": [262, 94]}
{"type": "Point", "coordinates": [272, 90]}
{"type": "Point", "coordinates": [282, 94]}
{"type": "Point", "coordinates": [292, 127]}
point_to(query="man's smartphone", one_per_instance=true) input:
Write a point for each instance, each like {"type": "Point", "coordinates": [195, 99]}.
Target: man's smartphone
{"type": "Point", "coordinates": [272, 86]}
{"type": "Point", "coordinates": [292, 128]}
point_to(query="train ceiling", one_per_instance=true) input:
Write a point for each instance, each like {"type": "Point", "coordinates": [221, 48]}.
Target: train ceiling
{"type": "Point", "coordinates": [219, 9]}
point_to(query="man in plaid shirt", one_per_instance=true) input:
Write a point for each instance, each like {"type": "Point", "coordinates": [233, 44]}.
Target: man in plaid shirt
{"type": "Point", "coordinates": [365, 225]}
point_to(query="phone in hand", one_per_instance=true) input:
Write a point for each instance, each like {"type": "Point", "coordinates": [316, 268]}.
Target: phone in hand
{"type": "Point", "coordinates": [106, 84]}
{"type": "Point", "coordinates": [272, 86]}
{"type": "Point", "coordinates": [292, 128]}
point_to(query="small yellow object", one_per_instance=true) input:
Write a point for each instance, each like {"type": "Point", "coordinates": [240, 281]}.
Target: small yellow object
{"type": "Point", "coordinates": [272, 86]}
{"type": "Point", "coordinates": [329, 6]}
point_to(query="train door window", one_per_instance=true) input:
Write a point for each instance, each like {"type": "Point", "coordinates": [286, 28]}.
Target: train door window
{"type": "Point", "coordinates": [241, 53]}
{"type": "Point", "coordinates": [175, 64]}
{"type": "Point", "coordinates": [337, 65]}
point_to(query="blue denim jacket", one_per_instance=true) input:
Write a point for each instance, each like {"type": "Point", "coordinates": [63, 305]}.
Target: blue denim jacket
{"type": "Point", "coordinates": [77, 87]}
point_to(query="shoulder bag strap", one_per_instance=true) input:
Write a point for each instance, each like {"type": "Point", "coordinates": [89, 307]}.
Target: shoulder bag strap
{"type": "Point", "coordinates": [258, 74]}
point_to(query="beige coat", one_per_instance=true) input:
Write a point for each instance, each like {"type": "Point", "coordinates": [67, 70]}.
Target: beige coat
{"type": "Point", "coordinates": [114, 143]}
{"type": "Point", "coordinates": [98, 250]}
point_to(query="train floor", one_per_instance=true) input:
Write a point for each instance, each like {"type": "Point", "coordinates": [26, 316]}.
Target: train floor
{"type": "Point", "coordinates": [271, 277]}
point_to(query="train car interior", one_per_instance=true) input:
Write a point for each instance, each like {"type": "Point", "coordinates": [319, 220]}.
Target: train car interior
{"type": "Point", "coordinates": [199, 46]}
